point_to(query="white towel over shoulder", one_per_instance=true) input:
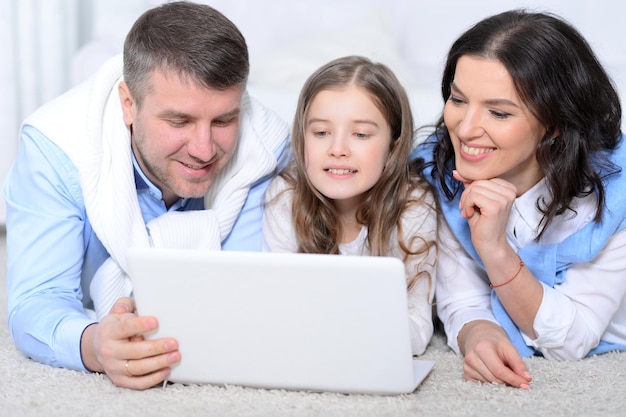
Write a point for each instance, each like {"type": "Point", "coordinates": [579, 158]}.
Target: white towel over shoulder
{"type": "Point", "coordinates": [98, 143]}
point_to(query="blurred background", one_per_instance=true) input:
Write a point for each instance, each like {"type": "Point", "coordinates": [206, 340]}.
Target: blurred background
{"type": "Point", "coordinates": [50, 45]}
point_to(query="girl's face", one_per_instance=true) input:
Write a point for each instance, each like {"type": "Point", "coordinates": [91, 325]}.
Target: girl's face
{"type": "Point", "coordinates": [493, 132]}
{"type": "Point", "coordinates": [346, 144]}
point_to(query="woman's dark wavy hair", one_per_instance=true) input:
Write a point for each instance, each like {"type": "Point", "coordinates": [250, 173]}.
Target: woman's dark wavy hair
{"type": "Point", "coordinates": [557, 75]}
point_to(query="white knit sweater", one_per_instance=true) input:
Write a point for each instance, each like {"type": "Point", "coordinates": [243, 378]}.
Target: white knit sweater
{"type": "Point", "coordinates": [99, 145]}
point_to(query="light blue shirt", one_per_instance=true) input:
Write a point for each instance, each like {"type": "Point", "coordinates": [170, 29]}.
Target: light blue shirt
{"type": "Point", "coordinates": [53, 253]}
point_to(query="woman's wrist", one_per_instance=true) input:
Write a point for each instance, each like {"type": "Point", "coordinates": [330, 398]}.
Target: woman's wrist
{"type": "Point", "coordinates": [468, 333]}
{"type": "Point", "coordinates": [502, 264]}
{"type": "Point", "coordinates": [515, 275]}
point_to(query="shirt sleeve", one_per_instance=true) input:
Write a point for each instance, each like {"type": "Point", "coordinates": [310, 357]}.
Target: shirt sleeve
{"type": "Point", "coordinates": [462, 291]}
{"type": "Point", "coordinates": [278, 231]}
{"type": "Point", "coordinates": [420, 226]}
{"type": "Point", "coordinates": [45, 250]}
{"type": "Point", "coordinates": [574, 316]}
{"type": "Point", "coordinates": [247, 232]}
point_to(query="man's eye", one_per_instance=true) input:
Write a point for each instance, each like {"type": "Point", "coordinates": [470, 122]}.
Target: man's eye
{"type": "Point", "coordinates": [224, 122]}
{"type": "Point", "coordinates": [177, 123]}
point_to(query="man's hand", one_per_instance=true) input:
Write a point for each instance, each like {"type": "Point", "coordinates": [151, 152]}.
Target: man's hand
{"type": "Point", "coordinates": [116, 346]}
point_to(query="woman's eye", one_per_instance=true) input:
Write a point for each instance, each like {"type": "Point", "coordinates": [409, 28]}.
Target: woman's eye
{"type": "Point", "coordinates": [455, 100]}
{"type": "Point", "coordinates": [499, 114]}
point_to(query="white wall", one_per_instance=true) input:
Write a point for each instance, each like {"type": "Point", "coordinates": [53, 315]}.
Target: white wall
{"type": "Point", "coordinates": [287, 40]}
{"type": "Point", "coordinates": [8, 98]}
{"type": "Point", "coordinates": [38, 39]}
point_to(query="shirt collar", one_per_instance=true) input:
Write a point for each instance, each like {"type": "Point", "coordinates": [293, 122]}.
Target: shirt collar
{"type": "Point", "coordinates": [142, 183]}
{"type": "Point", "coordinates": [524, 222]}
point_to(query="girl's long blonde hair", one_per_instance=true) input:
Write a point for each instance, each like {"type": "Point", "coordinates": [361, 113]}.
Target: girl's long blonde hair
{"type": "Point", "coordinates": [316, 221]}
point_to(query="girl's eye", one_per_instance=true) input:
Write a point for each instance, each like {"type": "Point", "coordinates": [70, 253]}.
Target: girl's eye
{"type": "Point", "coordinates": [320, 134]}
{"type": "Point", "coordinates": [361, 135]}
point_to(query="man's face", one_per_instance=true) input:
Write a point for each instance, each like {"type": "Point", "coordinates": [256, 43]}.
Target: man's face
{"type": "Point", "coordinates": [183, 133]}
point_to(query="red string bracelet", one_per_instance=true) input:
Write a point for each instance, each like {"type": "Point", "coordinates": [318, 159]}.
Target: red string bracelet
{"type": "Point", "coordinates": [521, 265]}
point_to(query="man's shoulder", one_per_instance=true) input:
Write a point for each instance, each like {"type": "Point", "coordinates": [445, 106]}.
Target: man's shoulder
{"type": "Point", "coordinates": [264, 122]}
{"type": "Point", "coordinates": [71, 115]}
{"type": "Point", "coordinates": [55, 112]}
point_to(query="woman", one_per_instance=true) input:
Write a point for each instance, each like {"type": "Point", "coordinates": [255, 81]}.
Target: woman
{"type": "Point", "coordinates": [527, 161]}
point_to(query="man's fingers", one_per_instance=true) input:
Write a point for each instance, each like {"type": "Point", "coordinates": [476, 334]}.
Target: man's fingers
{"type": "Point", "coordinates": [130, 375]}
{"type": "Point", "coordinates": [150, 364]}
{"type": "Point", "coordinates": [143, 364]}
{"type": "Point", "coordinates": [147, 350]}
{"type": "Point", "coordinates": [123, 305]}
{"type": "Point", "coordinates": [125, 326]}
{"type": "Point", "coordinates": [133, 326]}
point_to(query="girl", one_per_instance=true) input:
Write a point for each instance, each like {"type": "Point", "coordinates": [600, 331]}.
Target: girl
{"type": "Point", "coordinates": [527, 160]}
{"type": "Point", "coordinates": [349, 189]}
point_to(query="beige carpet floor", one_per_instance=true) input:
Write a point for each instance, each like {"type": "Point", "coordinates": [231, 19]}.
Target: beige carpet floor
{"type": "Point", "coordinates": [591, 387]}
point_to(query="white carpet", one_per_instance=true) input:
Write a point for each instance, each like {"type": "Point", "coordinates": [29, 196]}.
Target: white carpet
{"type": "Point", "coordinates": [592, 387]}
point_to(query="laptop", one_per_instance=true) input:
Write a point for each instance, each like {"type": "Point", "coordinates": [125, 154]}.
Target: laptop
{"type": "Point", "coordinates": [275, 320]}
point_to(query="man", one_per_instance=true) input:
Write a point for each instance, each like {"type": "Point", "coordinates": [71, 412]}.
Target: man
{"type": "Point", "coordinates": [172, 154]}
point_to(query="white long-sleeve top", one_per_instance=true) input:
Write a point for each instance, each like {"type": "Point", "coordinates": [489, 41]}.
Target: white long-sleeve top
{"type": "Point", "coordinates": [589, 305]}
{"type": "Point", "coordinates": [279, 236]}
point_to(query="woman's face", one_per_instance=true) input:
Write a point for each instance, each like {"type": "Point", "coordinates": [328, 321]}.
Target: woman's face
{"type": "Point", "coordinates": [494, 134]}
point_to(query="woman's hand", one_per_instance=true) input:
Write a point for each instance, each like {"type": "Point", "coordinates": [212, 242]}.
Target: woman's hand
{"type": "Point", "coordinates": [486, 204]}
{"type": "Point", "coordinates": [116, 346]}
{"type": "Point", "coordinates": [490, 356]}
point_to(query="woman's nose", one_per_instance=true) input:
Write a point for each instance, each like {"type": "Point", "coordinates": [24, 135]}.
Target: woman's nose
{"type": "Point", "coordinates": [470, 124]}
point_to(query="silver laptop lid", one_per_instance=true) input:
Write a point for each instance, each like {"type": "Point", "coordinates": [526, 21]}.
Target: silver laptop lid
{"type": "Point", "coordinates": [293, 321]}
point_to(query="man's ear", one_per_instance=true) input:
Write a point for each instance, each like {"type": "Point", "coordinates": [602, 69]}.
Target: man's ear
{"type": "Point", "coordinates": [129, 106]}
